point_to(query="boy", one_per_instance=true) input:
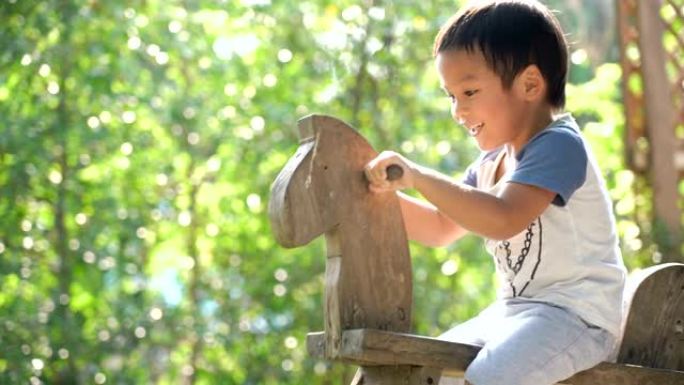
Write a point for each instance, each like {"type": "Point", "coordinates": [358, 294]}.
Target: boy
{"type": "Point", "coordinates": [535, 194]}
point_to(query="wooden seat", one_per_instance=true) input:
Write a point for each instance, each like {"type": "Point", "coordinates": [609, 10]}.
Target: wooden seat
{"type": "Point", "coordinates": [368, 279]}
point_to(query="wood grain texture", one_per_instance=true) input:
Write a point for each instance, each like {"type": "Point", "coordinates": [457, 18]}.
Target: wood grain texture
{"type": "Point", "coordinates": [397, 375]}
{"type": "Point", "coordinates": [378, 347]}
{"type": "Point", "coordinates": [322, 190]}
{"type": "Point", "coordinates": [621, 374]}
{"type": "Point", "coordinates": [654, 328]}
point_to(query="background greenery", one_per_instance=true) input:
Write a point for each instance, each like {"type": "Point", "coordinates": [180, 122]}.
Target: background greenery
{"type": "Point", "coordinates": [138, 143]}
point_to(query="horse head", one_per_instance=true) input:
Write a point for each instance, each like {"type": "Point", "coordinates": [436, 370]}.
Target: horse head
{"type": "Point", "coordinates": [322, 190]}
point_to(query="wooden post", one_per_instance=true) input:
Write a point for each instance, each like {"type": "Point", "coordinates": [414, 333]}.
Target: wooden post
{"type": "Point", "coordinates": [636, 155]}
{"type": "Point", "coordinates": [660, 123]}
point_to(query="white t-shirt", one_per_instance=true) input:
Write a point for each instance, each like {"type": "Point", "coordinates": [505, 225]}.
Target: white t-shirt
{"type": "Point", "coordinates": [568, 256]}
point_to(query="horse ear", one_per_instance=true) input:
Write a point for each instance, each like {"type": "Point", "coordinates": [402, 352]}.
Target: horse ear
{"type": "Point", "coordinates": [305, 126]}
{"type": "Point", "coordinates": [295, 206]}
{"type": "Point", "coordinates": [292, 209]}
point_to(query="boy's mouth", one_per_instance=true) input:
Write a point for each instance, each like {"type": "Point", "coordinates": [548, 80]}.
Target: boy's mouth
{"type": "Point", "coordinates": [475, 130]}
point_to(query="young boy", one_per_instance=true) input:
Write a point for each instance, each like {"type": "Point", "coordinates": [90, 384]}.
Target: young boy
{"type": "Point", "coordinates": [535, 194]}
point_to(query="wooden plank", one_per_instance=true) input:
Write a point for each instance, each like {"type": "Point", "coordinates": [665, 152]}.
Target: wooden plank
{"type": "Point", "coordinates": [620, 374]}
{"type": "Point", "coordinates": [367, 347]}
{"type": "Point", "coordinates": [394, 375]}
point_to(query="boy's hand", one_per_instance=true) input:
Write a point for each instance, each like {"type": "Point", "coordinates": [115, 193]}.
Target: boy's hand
{"type": "Point", "coordinates": [376, 172]}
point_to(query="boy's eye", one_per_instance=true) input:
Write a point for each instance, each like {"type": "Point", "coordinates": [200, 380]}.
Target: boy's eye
{"type": "Point", "coordinates": [470, 93]}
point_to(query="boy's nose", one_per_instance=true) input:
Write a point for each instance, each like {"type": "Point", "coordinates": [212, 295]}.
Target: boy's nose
{"type": "Point", "coordinates": [458, 116]}
{"type": "Point", "coordinates": [457, 113]}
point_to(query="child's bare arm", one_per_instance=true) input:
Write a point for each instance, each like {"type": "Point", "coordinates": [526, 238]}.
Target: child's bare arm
{"type": "Point", "coordinates": [495, 217]}
{"type": "Point", "coordinates": [425, 224]}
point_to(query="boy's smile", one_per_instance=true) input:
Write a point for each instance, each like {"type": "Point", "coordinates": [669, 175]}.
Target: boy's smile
{"type": "Point", "coordinates": [492, 114]}
{"type": "Point", "coordinates": [475, 130]}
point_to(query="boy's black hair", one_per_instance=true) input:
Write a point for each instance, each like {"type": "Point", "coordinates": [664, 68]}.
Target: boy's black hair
{"type": "Point", "coordinates": [511, 34]}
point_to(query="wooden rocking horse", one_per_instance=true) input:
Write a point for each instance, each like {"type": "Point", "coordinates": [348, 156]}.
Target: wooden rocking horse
{"type": "Point", "coordinates": [368, 278]}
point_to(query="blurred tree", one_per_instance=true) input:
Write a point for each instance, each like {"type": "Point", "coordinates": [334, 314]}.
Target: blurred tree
{"type": "Point", "coordinates": [139, 140]}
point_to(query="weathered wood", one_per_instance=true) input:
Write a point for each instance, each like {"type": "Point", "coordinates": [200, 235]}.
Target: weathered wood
{"type": "Point", "coordinates": [322, 189]}
{"type": "Point", "coordinates": [378, 347]}
{"type": "Point", "coordinates": [621, 374]}
{"type": "Point", "coordinates": [654, 327]}
{"type": "Point", "coordinates": [397, 375]}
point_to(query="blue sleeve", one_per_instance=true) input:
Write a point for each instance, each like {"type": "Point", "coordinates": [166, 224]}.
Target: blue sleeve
{"type": "Point", "coordinates": [556, 161]}
{"type": "Point", "coordinates": [470, 175]}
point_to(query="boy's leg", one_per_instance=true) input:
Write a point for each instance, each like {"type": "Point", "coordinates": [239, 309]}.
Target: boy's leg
{"type": "Point", "coordinates": [473, 332]}
{"type": "Point", "coordinates": [538, 344]}
{"type": "Point", "coordinates": [476, 330]}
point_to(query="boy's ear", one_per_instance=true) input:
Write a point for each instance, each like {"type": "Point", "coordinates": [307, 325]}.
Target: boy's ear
{"type": "Point", "coordinates": [531, 83]}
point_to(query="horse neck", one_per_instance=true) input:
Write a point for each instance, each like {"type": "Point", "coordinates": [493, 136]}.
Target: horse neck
{"type": "Point", "coordinates": [368, 270]}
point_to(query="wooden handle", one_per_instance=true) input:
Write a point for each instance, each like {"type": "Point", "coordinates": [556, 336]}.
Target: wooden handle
{"type": "Point", "coordinates": [394, 172]}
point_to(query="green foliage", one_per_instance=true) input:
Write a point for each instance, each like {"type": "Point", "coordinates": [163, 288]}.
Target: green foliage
{"type": "Point", "coordinates": [139, 140]}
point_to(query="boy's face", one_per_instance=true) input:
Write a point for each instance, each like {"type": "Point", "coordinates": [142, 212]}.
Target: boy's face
{"type": "Point", "coordinates": [494, 116]}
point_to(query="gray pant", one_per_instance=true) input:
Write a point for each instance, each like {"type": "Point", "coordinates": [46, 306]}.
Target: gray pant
{"type": "Point", "coordinates": [530, 343]}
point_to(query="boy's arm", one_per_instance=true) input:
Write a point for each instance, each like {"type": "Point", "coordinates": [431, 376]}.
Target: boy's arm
{"type": "Point", "coordinates": [495, 217]}
{"type": "Point", "coordinates": [425, 224]}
